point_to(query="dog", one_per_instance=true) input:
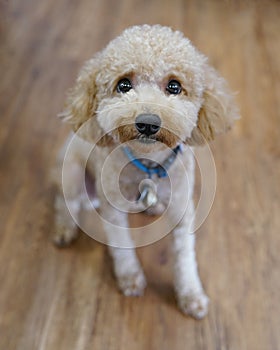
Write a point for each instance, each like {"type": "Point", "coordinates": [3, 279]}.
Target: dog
{"type": "Point", "coordinates": [150, 96]}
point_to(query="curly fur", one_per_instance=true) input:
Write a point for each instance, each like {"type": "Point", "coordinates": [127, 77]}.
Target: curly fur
{"type": "Point", "coordinates": [149, 56]}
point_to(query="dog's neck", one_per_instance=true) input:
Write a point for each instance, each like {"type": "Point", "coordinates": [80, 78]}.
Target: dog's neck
{"type": "Point", "coordinates": [156, 163]}
{"type": "Point", "coordinates": [156, 155]}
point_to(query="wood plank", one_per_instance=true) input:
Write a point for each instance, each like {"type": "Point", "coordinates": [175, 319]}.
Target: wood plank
{"type": "Point", "coordinates": [67, 299]}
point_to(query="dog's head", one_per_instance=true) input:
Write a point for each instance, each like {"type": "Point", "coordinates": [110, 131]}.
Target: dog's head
{"type": "Point", "coordinates": [152, 86]}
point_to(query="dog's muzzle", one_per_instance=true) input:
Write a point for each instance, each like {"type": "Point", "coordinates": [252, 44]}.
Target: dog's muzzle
{"type": "Point", "coordinates": [147, 124]}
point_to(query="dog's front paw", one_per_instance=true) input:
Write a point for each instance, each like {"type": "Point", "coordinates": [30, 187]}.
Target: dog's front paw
{"type": "Point", "coordinates": [64, 236]}
{"type": "Point", "coordinates": [194, 305]}
{"type": "Point", "coordinates": [132, 284]}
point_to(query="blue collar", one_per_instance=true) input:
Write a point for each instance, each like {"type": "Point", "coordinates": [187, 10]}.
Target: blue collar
{"type": "Point", "coordinates": [159, 170]}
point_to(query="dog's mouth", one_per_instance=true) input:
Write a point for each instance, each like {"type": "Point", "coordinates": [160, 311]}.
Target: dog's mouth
{"type": "Point", "coordinates": [147, 139]}
{"type": "Point", "coordinates": [127, 133]}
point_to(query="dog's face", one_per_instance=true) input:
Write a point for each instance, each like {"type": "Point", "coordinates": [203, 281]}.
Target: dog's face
{"type": "Point", "coordinates": [152, 87]}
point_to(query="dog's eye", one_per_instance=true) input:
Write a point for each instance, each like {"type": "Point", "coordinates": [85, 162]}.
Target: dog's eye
{"type": "Point", "coordinates": [174, 87]}
{"type": "Point", "coordinates": [124, 85]}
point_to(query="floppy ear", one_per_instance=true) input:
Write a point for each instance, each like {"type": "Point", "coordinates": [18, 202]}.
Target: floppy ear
{"type": "Point", "coordinates": [218, 110]}
{"type": "Point", "coordinates": [81, 105]}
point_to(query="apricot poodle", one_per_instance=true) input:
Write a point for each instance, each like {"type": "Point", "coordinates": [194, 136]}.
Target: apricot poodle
{"type": "Point", "coordinates": [148, 98]}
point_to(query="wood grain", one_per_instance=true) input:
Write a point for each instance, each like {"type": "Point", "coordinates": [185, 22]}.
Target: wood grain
{"type": "Point", "coordinates": [67, 299]}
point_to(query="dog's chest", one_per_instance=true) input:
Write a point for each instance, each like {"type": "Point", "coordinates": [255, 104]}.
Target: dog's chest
{"type": "Point", "coordinates": [131, 184]}
{"type": "Point", "coordinates": [119, 181]}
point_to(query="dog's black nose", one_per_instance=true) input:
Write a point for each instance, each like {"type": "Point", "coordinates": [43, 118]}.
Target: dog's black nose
{"type": "Point", "coordinates": [147, 124]}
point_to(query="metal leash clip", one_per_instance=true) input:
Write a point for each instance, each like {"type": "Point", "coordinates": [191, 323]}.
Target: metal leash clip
{"type": "Point", "coordinates": [148, 195]}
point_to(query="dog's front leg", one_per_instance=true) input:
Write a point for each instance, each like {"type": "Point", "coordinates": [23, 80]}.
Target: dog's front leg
{"type": "Point", "coordinates": [191, 297]}
{"type": "Point", "coordinates": [127, 268]}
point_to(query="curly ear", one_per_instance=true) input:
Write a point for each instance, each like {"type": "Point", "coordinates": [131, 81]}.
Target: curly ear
{"type": "Point", "coordinates": [81, 105]}
{"type": "Point", "coordinates": [218, 110]}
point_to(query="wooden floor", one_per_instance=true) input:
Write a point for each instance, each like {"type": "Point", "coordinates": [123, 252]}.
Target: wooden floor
{"type": "Point", "coordinates": [54, 299]}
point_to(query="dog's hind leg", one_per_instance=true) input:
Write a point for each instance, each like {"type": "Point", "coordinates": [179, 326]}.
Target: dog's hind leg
{"type": "Point", "coordinates": [68, 202]}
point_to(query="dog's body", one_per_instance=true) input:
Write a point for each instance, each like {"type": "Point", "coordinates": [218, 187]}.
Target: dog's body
{"type": "Point", "coordinates": [152, 90]}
